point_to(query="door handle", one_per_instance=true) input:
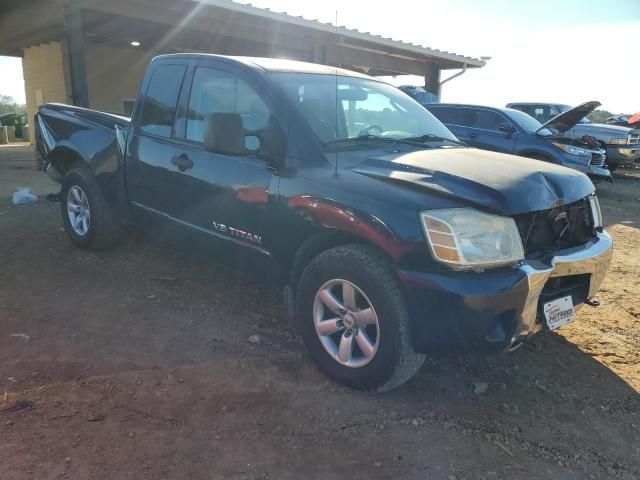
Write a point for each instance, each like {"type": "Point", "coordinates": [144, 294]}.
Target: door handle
{"type": "Point", "coordinates": [473, 135]}
{"type": "Point", "coordinates": [182, 161]}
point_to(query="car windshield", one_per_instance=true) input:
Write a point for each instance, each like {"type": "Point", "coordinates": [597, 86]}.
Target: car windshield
{"type": "Point", "coordinates": [527, 122]}
{"type": "Point", "coordinates": [351, 112]}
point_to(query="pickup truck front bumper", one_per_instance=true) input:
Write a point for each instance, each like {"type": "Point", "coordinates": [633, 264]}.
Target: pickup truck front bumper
{"type": "Point", "coordinates": [623, 154]}
{"type": "Point", "coordinates": [497, 310]}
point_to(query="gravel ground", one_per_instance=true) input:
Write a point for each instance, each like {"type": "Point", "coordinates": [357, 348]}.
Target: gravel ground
{"type": "Point", "coordinates": [135, 363]}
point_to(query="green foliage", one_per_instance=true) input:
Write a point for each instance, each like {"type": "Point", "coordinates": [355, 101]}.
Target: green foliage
{"type": "Point", "coordinates": [600, 116]}
{"type": "Point", "coordinates": [8, 104]}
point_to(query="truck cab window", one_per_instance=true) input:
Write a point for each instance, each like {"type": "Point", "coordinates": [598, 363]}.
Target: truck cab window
{"type": "Point", "coordinates": [160, 100]}
{"type": "Point", "coordinates": [215, 91]}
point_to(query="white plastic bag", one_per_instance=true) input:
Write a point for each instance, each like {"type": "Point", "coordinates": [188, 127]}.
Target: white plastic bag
{"type": "Point", "coordinates": [24, 197]}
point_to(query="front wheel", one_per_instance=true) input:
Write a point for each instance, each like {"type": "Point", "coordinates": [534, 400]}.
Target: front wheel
{"type": "Point", "coordinates": [88, 219]}
{"type": "Point", "coordinates": [354, 319]}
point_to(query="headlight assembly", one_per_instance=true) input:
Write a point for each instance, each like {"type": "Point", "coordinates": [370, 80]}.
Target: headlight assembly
{"type": "Point", "coordinates": [466, 238]}
{"type": "Point", "coordinates": [571, 150]}
{"type": "Point", "coordinates": [618, 141]}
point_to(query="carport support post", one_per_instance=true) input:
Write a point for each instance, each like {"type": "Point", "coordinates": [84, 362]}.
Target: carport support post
{"type": "Point", "coordinates": [75, 43]}
{"type": "Point", "coordinates": [432, 79]}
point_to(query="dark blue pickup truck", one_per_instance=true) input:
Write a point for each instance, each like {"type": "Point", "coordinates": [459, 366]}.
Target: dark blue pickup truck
{"type": "Point", "coordinates": [392, 239]}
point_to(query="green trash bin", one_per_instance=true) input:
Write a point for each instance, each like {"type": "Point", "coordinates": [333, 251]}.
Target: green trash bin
{"type": "Point", "coordinates": [14, 119]}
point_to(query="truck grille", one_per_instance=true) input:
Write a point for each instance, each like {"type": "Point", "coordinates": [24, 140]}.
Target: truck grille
{"type": "Point", "coordinates": [598, 158]}
{"type": "Point", "coordinates": [634, 138]}
{"type": "Point", "coordinates": [550, 230]}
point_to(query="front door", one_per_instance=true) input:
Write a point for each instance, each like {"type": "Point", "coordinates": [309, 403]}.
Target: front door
{"type": "Point", "coordinates": [223, 195]}
{"type": "Point", "coordinates": [486, 132]}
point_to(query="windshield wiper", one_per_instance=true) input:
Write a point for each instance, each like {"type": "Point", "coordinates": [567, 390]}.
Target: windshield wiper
{"type": "Point", "coordinates": [433, 138]}
{"type": "Point", "coordinates": [376, 138]}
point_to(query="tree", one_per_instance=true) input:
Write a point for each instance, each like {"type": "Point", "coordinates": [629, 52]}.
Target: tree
{"type": "Point", "coordinates": [599, 116]}
{"type": "Point", "coordinates": [8, 104]}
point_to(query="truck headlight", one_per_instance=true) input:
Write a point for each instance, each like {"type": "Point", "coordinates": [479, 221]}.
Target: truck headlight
{"type": "Point", "coordinates": [618, 141]}
{"type": "Point", "coordinates": [596, 213]}
{"type": "Point", "coordinates": [467, 238]}
{"type": "Point", "coordinates": [571, 150]}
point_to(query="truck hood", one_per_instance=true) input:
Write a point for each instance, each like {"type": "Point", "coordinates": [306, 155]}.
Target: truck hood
{"type": "Point", "coordinates": [569, 119]}
{"type": "Point", "coordinates": [603, 130]}
{"type": "Point", "coordinates": [502, 183]}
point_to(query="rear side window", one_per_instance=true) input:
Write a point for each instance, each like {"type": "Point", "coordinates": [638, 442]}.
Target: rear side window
{"type": "Point", "coordinates": [454, 115]}
{"type": "Point", "coordinates": [160, 100]}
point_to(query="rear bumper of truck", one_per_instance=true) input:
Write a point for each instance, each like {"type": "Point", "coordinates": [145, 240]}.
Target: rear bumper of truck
{"type": "Point", "coordinates": [497, 310]}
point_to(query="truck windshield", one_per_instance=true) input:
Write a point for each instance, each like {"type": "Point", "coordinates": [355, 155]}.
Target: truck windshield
{"type": "Point", "coordinates": [348, 112]}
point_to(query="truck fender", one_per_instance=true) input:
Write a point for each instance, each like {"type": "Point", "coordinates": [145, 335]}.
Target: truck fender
{"type": "Point", "coordinates": [335, 224]}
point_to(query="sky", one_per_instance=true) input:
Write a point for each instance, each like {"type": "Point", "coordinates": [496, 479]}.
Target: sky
{"type": "Point", "coordinates": [564, 51]}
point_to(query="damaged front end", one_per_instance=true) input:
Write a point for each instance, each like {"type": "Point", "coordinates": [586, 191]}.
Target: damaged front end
{"type": "Point", "coordinates": [590, 156]}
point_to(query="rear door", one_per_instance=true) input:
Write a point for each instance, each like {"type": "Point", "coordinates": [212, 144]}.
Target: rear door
{"type": "Point", "coordinates": [152, 179]}
{"type": "Point", "coordinates": [457, 119]}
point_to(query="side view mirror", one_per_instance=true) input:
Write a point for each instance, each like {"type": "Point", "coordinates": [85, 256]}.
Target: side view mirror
{"type": "Point", "coordinates": [224, 133]}
{"type": "Point", "coordinates": [505, 128]}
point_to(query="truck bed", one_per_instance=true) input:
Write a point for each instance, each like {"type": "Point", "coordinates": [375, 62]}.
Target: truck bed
{"type": "Point", "coordinates": [66, 134]}
{"type": "Point", "coordinates": [96, 117]}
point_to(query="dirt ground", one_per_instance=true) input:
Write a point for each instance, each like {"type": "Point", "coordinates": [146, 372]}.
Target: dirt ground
{"type": "Point", "coordinates": [138, 366]}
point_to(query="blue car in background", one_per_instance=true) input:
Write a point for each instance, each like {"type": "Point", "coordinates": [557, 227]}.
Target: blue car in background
{"type": "Point", "coordinates": [419, 94]}
{"type": "Point", "coordinates": [511, 131]}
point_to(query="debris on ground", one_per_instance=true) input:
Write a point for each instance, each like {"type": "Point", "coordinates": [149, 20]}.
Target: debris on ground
{"type": "Point", "coordinates": [511, 408]}
{"type": "Point", "coordinates": [24, 197]}
{"type": "Point", "coordinates": [255, 339]}
{"type": "Point", "coordinates": [163, 279]}
{"type": "Point", "coordinates": [480, 388]}
{"type": "Point", "coordinates": [19, 405]}
{"type": "Point", "coordinates": [503, 448]}
{"type": "Point", "coordinates": [23, 336]}
{"type": "Point", "coordinates": [53, 197]}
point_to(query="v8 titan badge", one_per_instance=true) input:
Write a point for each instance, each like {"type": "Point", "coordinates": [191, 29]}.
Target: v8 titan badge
{"type": "Point", "coordinates": [559, 312]}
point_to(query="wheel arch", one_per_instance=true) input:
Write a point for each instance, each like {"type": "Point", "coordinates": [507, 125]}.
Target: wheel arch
{"type": "Point", "coordinates": [318, 243]}
{"type": "Point", "coordinates": [64, 157]}
{"type": "Point", "coordinates": [536, 154]}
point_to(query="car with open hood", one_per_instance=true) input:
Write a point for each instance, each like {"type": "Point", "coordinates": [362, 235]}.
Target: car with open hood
{"type": "Point", "coordinates": [621, 142]}
{"type": "Point", "coordinates": [389, 238]}
{"type": "Point", "coordinates": [506, 130]}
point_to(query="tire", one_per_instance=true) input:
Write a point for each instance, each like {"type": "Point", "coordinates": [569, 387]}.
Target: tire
{"type": "Point", "coordinates": [391, 360]}
{"type": "Point", "coordinates": [100, 228]}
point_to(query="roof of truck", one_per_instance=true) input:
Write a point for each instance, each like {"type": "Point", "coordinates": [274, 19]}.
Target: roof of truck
{"type": "Point", "coordinates": [276, 64]}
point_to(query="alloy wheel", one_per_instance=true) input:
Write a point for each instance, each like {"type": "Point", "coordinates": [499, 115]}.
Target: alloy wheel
{"type": "Point", "coordinates": [346, 323]}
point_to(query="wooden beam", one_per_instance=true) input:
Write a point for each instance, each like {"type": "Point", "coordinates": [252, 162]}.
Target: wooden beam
{"type": "Point", "coordinates": [75, 43]}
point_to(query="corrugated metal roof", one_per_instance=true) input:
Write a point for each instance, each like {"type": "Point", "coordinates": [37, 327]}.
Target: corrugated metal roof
{"type": "Point", "coordinates": [343, 31]}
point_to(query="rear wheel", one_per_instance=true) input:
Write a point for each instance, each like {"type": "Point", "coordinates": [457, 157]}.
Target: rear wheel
{"type": "Point", "coordinates": [354, 319]}
{"type": "Point", "coordinates": [88, 219]}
